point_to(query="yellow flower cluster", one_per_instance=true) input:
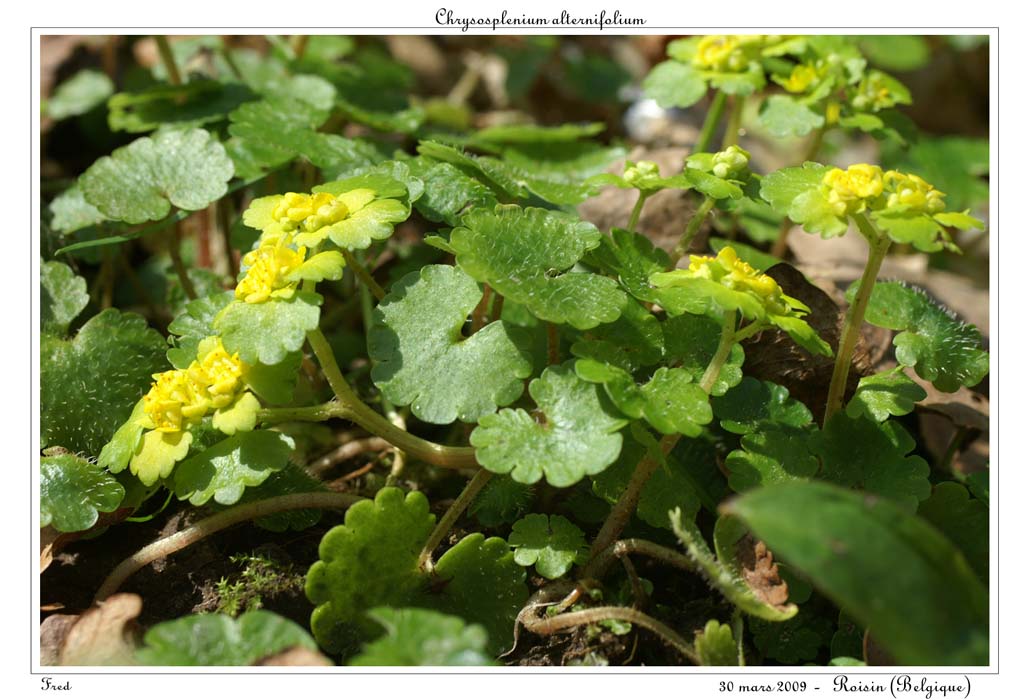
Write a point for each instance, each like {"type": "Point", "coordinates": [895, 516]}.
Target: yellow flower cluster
{"type": "Point", "coordinates": [727, 269]}
{"type": "Point", "coordinates": [873, 93]}
{"type": "Point", "coordinates": [912, 192]}
{"type": "Point", "coordinates": [727, 52]}
{"type": "Point", "coordinates": [850, 191]}
{"type": "Point", "coordinates": [309, 211]}
{"type": "Point", "coordinates": [211, 382]}
{"type": "Point", "coordinates": [803, 77]}
{"type": "Point", "coordinates": [732, 161]}
{"type": "Point", "coordinates": [638, 174]}
{"type": "Point", "coordinates": [271, 270]}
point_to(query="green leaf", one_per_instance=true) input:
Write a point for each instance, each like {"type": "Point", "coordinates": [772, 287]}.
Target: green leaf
{"type": "Point", "coordinates": [796, 193]}
{"type": "Point", "coordinates": [223, 471]}
{"type": "Point", "coordinates": [674, 84]}
{"type": "Point", "coordinates": [771, 456]}
{"type": "Point", "coordinates": [942, 349]}
{"type": "Point", "coordinates": [635, 340]}
{"type": "Point", "coordinates": [88, 385]}
{"type": "Point", "coordinates": [142, 181]}
{"type": "Point", "coordinates": [890, 393]}
{"type": "Point", "coordinates": [73, 493]}
{"type": "Point", "coordinates": [380, 542]}
{"type": "Point", "coordinates": [526, 254]}
{"type": "Point", "coordinates": [692, 340]}
{"type": "Point", "coordinates": [192, 325]}
{"type": "Point", "coordinates": [220, 640]}
{"type": "Point", "coordinates": [291, 479]}
{"type": "Point", "coordinates": [269, 331]}
{"type": "Point", "coordinates": [63, 296]}
{"type": "Point", "coordinates": [899, 52]}
{"type": "Point", "coordinates": [715, 645]}
{"type": "Point", "coordinates": [891, 571]}
{"type": "Point", "coordinates": [916, 228]}
{"type": "Point", "coordinates": [79, 94]}
{"type": "Point", "coordinates": [571, 435]}
{"type": "Point", "coordinates": [189, 104]}
{"type": "Point", "coordinates": [534, 134]}
{"type": "Point", "coordinates": [553, 544]}
{"type": "Point", "coordinates": [501, 501]}
{"type": "Point", "coordinates": [633, 258]}
{"type": "Point", "coordinates": [953, 164]}
{"type": "Point", "coordinates": [672, 485]}
{"type": "Point", "coordinates": [449, 192]}
{"type": "Point", "coordinates": [275, 130]}
{"type": "Point", "coordinates": [882, 465]}
{"type": "Point", "coordinates": [422, 359]}
{"type": "Point", "coordinates": [424, 638]}
{"type": "Point", "coordinates": [798, 639]}
{"type": "Point", "coordinates": [964, 520]}
{"type": "Point", "coordinates": [755, 405]}
{"type": "Point", "coordinates": [71, 212]}
{"type": "Point", "coordinates": [786, 117]}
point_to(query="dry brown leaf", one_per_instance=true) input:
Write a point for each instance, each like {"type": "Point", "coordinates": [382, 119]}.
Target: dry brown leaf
{"type": "Point", "coordinates": [52, 633]}
{"type": "Point", "coordinates": [105, 635]}
{"type": "Point", "coordinates": [759, 570]}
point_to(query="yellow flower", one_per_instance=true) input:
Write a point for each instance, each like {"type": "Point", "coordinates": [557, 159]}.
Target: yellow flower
{"type": "Point", "coordinates": [727, 52]}
{"type": "Point", "coordinates": [732, 161]}
{"type": "Point", "coordinates": [727, 269]}
{"type": "Point", "coordinates": [849, 190]}
{"type": "Point", "coordinates": [271, 272]}
{"type": "Point", "coordinates": [182, 395]}
{"type": "Point", "coordinates": [912, 192]}
{"type": "Point", "coordinates": [801, 78]}
{"type": "Point", "coordinates": [875, 92]}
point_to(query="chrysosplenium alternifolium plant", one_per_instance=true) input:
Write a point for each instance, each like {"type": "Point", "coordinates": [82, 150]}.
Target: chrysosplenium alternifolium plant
{"type": "Point", "coordinates": [584, 363]}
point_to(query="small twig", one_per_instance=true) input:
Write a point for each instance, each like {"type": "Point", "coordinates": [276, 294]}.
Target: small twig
{"type": "Point", "coordinates": [621, 549]}
{"type": "Point", "coordinates": [208, 526]}
{"type": "Point", "coordinates": [338, 484]}
{"type": "Point", "coordinates": [471, 490]}
{"type": "Point", "coordinates": [480, 316]}
{"type": "Point", "coordinates": [639, 593]}
{"type": "Point", "coordinates": [498, 307]}
{"type": "Point", "coordinates": [346, 451]}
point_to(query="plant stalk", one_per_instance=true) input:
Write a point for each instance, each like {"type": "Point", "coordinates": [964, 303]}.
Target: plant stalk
{"type": "Point", "coordinates": [350, 406]}
{"type": "Point", "coordinates": [634, 218]}
{"type": "Point", "coordinates": [168, 59]}
{"type": "Point", "coordinates": [732, 126]}
{"type": "Point", "coordinates": [471, 490]}
{"type": "Point", "coordinates": [363, 274]}
{"type": "Point", "coordinates": [691, 231]}
{"type": "Point", "coordinates": [714, 115]}
{"type": "Point", "coordinates": [728, 339]}
{"type": "Point", "coordinates": [878, 246]}
{"type": "Point", "coordinates": [208, 526]}
{"type": "Point", "coordinates": [174, 241]}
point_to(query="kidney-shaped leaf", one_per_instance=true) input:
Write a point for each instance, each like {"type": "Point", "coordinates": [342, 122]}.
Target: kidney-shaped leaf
{"type": "Point", "coordinates": [423, 360]}
{"type": "Point", "coordinates": [224, 470]}
{"type": "Point", "coordinates": [73, 493]}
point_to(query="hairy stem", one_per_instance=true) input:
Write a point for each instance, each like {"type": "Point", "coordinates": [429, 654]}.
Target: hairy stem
{"type": "Point", "coordinates": [208, 526]}
{"type": "Point", "coordinates": [168, 59]}
{"type": "Point", "coordinates": [363, 274]}
{"type": "Point", "coordinates": [714, 115]}
{"type": "Point", "coordinates": [725, 344]}
{"type": "Point", "coordinates": [878, 246]}
{"type": "Point", "coordinates": [350, 406]}
{"type": "Point", "coordinates": [622, 511]}
{"type": "Point", "coordinates": [732, 126]}
{"type": "Point", "coordinates": [634, 218]}
{"type": "Point", "coordinates": [550, 625]}
{"type": "Point", "coordinates": [691, 231]}
{"type": "Point", "coordinates": [623, 548]}
{"type": "Point", "coordinates": [471, 490]}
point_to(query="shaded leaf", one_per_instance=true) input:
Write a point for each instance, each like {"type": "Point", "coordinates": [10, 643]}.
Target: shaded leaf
{"type": "Point", "coordinates": [771, 456]}
{"type": "Point", "coordinates": [674, 84]}
{"type": "Point", "coordinates": [786, 116]}
{"type": "Point", "coordinates": [79, 94]}
{"type": "Point", "coordinates": [964, 520]}
{"type": "Point", "coordinates": [692, 340]}
{"type": "Point", "coordinates": [758, 405]}
{"type": "Point", "coordinates": [552, 543]}
{"type": "Point", "coordinates": [424, 638]}
{"type": "Point", "coordinates": [890, 393]}
{"type": "Point", "coordinates": [62, 297]}
{"type": "Point", "coordinates": [189, 104]}
{"type": "Point", "coordinates": [888, 569]}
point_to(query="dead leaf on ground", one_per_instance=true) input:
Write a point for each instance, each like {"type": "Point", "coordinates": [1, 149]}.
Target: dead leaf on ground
{"type": "Point", "coordinates": [105, 635]}
{"type": "Point", "coordinates": [761, 572]}
{"type": "Point", "coordinates": [965, 408]}
{"type": "Point", "coordinates": [52, 633]}
{"type": "Point", "coordinates": [295, 656]}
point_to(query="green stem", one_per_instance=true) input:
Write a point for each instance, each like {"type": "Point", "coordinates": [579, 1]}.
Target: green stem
{"type": "Point", "coordinates": [691, 231]}
{"type": "Point", "coordinates": [714, 115]}
{"type": "Point", "coordinates": [299, 45]}
{"type": "Point", "coordinates": [363, 274]}
{"type": "Point", "coordinates": [732, 127]}
{"type": "Point", "coordinates": [174, 240]}
{"type": "Point", "coordinates": [634, 218]}
{"type": "Point", "coordinates": [816, 143]}
{"type": "Point", "coordinates": [350, 406]}
{"type": "Point", "coordinates": [779, 247]}
{"type": "Point", "coordinates": [623, 548]}
{"type": "Point", "coordinates": [168, 59]}
{"type": "Point", "coordinates": [471, 490]}
{"type": "Point", "coordinates": [877, 247]}
{"type": "Point", "coordinates": [725, 344]}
